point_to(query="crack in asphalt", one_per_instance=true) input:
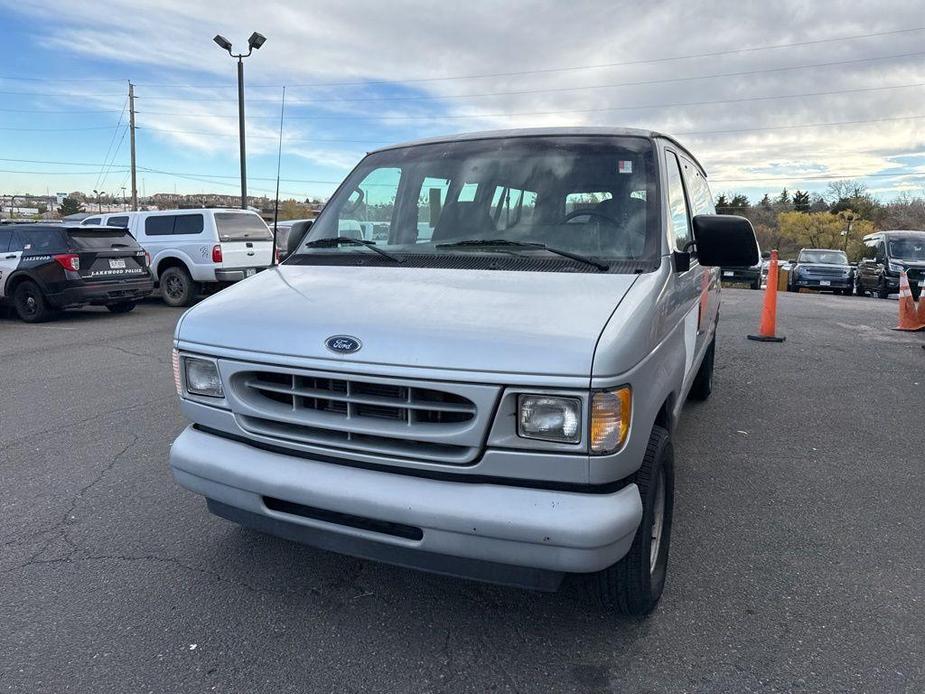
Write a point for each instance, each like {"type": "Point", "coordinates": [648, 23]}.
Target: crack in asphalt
{"type": "Point", "coordinates": [15, 442]}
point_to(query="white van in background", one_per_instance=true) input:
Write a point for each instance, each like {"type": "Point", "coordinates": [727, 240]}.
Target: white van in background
{"type": "Point", "coordinates": [192, 248]}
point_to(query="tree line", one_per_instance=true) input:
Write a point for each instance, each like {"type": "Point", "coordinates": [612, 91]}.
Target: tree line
{"type": "Point", "coordinates": [838, 218]}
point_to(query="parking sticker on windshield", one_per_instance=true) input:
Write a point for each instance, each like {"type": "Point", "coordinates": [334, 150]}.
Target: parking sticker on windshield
{"type": "Point", "coordinates": [624, 166]}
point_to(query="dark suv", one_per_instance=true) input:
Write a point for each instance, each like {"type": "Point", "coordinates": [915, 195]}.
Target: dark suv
{"type": "Point", "coordinates": [45, 267]}
{"type": "Point", "coordinates": [821, 269]}
{"type": "Point", "coordinates": [886, 254]}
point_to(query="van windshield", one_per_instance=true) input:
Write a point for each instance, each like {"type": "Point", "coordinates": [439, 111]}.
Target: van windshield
{"type": "Point", "coordinates": [501, 198]}
{"type": "Point", "coordinates": [241, 226]}
{"type": "Point", "coordinates": [823, 257]}
{"type": "Point", "coordinates": [907, 249]}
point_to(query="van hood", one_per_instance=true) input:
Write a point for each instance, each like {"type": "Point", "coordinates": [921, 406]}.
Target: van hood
{"type": "Point", "coordinates": [511, 322]}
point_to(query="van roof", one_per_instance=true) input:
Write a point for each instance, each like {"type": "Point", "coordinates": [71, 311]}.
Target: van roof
{"type": "Point", "coordinates": [539, 132]}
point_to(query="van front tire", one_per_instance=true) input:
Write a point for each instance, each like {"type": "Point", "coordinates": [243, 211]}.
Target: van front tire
{"type": "Point", "coordinates": [177, 287]}
{"type": "Point", "coordinates": [634, 584]}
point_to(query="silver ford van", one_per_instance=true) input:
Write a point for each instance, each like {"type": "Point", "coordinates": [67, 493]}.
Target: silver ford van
{"type": "Point", "coordinates": [488, 388]}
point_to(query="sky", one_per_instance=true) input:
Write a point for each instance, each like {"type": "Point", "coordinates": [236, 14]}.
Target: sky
{"type": "Point", "coordinates": [766, 95]}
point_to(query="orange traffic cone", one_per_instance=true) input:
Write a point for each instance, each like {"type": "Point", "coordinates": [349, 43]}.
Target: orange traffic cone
{"type": "Point", "coordinates": [920, 312]}
{"type": "Point", "coordinates": [908, 320]}
{"type": "Point", "coordinates": [769, 312]}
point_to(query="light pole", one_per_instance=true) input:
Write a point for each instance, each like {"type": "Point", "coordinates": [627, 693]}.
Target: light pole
{"type": "Point", "coordinates": [99, 201]}
{"type": "Point", "coordinates": [254, 42]}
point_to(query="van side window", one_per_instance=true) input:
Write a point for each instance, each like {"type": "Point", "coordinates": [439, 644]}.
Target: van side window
{"type": "Point", "coordinates": [92, 220]}
{"type": "Point", "coordinates": [5, 237]}
{"type": "Point", "coordinates": [372, 201]}
{"type": "Point", "coordinates": [512, 206]}
{"type": "Point", "coordinates": [431, 202]}
{"type": "Point", "coordinates": [699, 191]}
{"type": "Point", "coordinates": [870, 249]}
{"type": "Point", "coordinates": [159, 225]}
{"type": "Point", "coordinates": [117, 222]}
{"type": "Point", "coordinates": [677, 205]}
{"type": "Point", "coordinates": [188, 224]}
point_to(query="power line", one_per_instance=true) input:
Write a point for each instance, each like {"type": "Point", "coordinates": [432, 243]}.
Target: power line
{"type": "Point", "coordinates": [60, 130]}
{"type": "Point", "coordinates": [46, 110]}
{"type": "Point", "coordinates": [710, 54]}
{"type": "Point", "coordinates": [614, 85]}
{"type": "Point", "coordinates": [20, 78]}
{"type": "Point", "coordinates": [75, 95]}
{"type": "Point", "coordinates": [820, 177]}
{"type": "Point", "coordinates": [616, 108]}
{"type": "Point", "coordinates": [111, 141]}
{"type": "Point", "coordinates": [627, 108]}
{"type": "Point", "coordinates": [804, 125]}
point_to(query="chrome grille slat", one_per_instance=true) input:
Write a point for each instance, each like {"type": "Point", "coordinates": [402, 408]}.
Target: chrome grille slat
{"type": "Point", "coordinates": [361, 399]}
{"type": "Point", "coordinates": [427, 421]}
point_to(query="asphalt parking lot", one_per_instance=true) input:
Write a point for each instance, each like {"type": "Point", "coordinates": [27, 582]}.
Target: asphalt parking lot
{"type": "Point", "coordinates": [796, 561]}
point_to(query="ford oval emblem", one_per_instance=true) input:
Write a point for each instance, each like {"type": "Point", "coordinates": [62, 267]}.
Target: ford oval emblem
{"type": "Point", "coordinates": [343, 344]}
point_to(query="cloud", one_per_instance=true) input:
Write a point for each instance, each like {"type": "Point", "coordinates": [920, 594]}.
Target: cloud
{"type": "Point", "coordinates": [391, 49]}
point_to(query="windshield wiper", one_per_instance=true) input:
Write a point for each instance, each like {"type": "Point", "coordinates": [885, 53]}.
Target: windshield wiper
{"type": "Point", "coordinates": [488, 243]}
{"type": "Point", "coordinates": [335, 241]}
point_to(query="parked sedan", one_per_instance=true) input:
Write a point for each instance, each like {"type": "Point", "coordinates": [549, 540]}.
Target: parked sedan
{"type": "Point", "coordinates": [821, 269]}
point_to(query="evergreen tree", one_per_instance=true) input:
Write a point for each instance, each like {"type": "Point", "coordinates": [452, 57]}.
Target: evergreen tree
{"type": "Point", "coordinates": [70, 205]}
{"type": "Point", "coordinates": [801, 201]}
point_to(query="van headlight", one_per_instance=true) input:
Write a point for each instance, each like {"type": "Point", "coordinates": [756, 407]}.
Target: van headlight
{"type": "Point", "coordinates": [202, 377]}
{"type": "Point", "coordinates": [611, 411]}
{"type": "Point", "coordinates": [549, 418]}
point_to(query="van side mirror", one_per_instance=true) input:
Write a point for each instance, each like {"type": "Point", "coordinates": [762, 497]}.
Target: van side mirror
{"type": "Point", "coordinates": [725, 240]}
{"type": "Point", "coordinates": [296, 236]}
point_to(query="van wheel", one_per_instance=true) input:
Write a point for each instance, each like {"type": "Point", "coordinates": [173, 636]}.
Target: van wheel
{"type": "Point", "coordinates": [121, 307]}
{"type": "Point", "coordinates": [703, 381]}
{"type": "Point", "coordinates": [30, 304]}
{"type": "Point", "coordinates": [177, 287]}
{"type": "Point", "coordinates": [634, 584]}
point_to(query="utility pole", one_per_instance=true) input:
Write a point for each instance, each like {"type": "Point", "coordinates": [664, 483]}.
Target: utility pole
{"type": "Point", "coordinates": [131, 121]}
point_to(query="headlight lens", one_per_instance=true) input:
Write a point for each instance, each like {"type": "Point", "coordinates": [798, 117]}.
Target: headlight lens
{"type": "Point", "coordinates": [896, 268]}
{"type": "Point", "coordinates": [610, 419]}
{"type": "Point", "coordinates": [549, 418]}
{"type": "Point", "coordinates": [202, 377]}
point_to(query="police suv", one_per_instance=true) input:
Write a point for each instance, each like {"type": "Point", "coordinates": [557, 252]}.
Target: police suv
{"type": "Point", "coordinates": [47, 267]}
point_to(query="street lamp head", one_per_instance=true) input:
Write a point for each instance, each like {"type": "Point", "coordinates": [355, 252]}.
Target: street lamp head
{"type": "Point", "coordinates": [222, 42]}
{"type": "Point", "coordinates": [256, 40]}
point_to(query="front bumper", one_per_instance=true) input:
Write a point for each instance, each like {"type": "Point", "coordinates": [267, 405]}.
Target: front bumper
{"type": "Point", "coordinates": [80, 293]}
{"type": "Point", "coordinates": [491, 532]}
{"type": "Point", "coordinates": [816, 283]}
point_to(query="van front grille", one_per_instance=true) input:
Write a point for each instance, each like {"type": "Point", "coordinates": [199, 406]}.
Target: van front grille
{"type": "Point", "coordinates": [377, 416]}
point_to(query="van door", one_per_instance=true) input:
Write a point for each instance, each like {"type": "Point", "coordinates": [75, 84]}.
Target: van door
{"type": "Point", "coordinates": [688, 284]}
{"type": "Point", "coordinates": [246, 241]}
